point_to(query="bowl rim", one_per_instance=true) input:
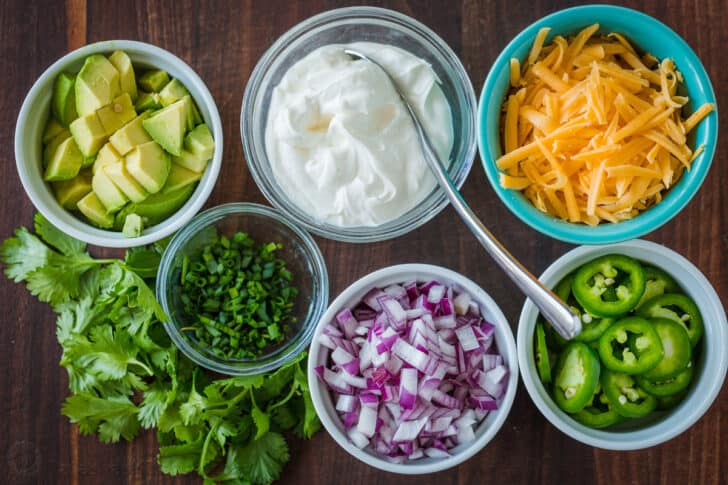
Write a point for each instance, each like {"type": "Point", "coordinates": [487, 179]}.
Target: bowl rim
{"type": "Point", "coordinates": [506, 345]}
{"type": "Point", "coordinates": [92, 234]}
{"type": "Point", "coordinates": [356, 234]}
{"type": "Point", "coordinates": [647, 221]}
{"type": "Point", "coordinates": [672, 425]}
{"type": "Point", "coordinates": [315, 258]}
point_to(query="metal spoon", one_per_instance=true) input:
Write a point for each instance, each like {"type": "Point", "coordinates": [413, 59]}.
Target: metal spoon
{"type": "Point", "coordinates": [566, 323]}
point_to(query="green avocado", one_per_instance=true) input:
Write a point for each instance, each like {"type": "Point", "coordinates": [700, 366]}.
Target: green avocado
{"type": "Point", "coordinates": [118, 174]}
{"type": "Point", "coordinates": [108, 193]}
{"type": "Point", "coordinates": [149, 165]}
{"type": "Point", "coordinates": [180, 177]}
{"type": "Point", "coordinates": [117, 114]}
{"type": "Point", "coordinates": [51, 147]}
{"type": "Point", "coordinates": [199, 142]}
{"type": "Point", "coordinates": [65, 163]}
{"type": "Point", "coordinates": [156, 208]}
{"type": "Point", "coordinates": [88, 161]}
{"type": "Point", "coordinates": [63, 103]}
{"type": "Point", "coordinates": [147, 101]}
{"type": "Point", "coordinates": [52, 129]}
{"type": "Point", "coordinates": [97, 84]}
{"type": "Point", "coordinates": [94, 210]}
{"type": "Point", "coordinates": [69, 192]}
{"type": "Point", "coordinates": [172, 91]}
{"type": "Point", "coordinates": [193, 116]}
{"type": "Point", "coordinates": [127, 80]}
{"type": "Point", "coordinates": [133, 226]}
{"type": "Point", "coordinates": [168, 125]}
{"type": "Point", "coordinates": [130, 135]}
{"type": "Point", "coordinates": [153, 81]}
{"type": "Point", "coordinates": [89, 134]}
{"type": "Point", "coordinates": [106, 156]}
{"type": "Point", "coordinates": [190, 161]}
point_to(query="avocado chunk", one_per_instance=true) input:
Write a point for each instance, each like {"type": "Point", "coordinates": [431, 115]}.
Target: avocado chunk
{"type": "Point", "coordinates": [117, 114]}
{"type": "Point", "coordinates": [157, 207]}
{"type": "Point", "coordinates": [97, 84]}
{"type": "Point", "coordinates": [199, 142]}
{"type": "Point", "coordinates": [133, 226]}
{"type": "Point", "coordinates": [127, 80]}
{"type": "Point", "coordinates": [89, 161]}
{"type": "Point", "coordinates": [63, 103]}
{"type": "Point", "coordinates": [108, 193]}
{"type": "Point", "coordinates": [52, 129]}
{"type": "Point", "coordinates": [147, 101]}
{"type": "Point", "coordinates": [180, 177]}
{"type": "Point", "coordinates": [193, 116]}
{"type": "Point", "coordinates": [94, 210]}
{"type": "Point", "coordinates": [153, 81]}
{"type": "Point", "coordinates": [149, 165]}
{"type": "Point", "coordinates": [89, 134]}
{"type": "Point", "coordinates": [172, 91]}
{"type": "Point", "coordinates": [65, 163]}
{"type": "Point", "coordinates": [118, 174]}
{"type": "Point", "coordinates": [190, 161]}
{"type": "Point", "coordinates": [106, 156]}
{"type": "Point", "coordinates": [168, 125]}
{"type": "Point", "coordinates": [51, 147]}
{"type": "Point", "coordinates": [130, 135]}
{"type": "Point", "coordinates": [69, 192]}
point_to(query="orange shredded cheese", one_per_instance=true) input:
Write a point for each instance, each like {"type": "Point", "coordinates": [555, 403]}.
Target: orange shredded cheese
{"type": "Point", "coordinates": [593, 131]}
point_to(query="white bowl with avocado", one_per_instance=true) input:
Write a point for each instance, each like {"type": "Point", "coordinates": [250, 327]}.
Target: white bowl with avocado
{"type": "Point", "coordinates": [119, 143]}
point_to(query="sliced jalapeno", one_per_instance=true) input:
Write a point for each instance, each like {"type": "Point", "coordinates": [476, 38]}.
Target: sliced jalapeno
{"type": "Point", "coordinates": [576, 376]}
{"type": "Point", "coordinates": [678, 308]}
{"type": "Point", "coordinates": [599, 413]}
{"type": "Point", "coordinates": [667, 387]}
{"type": "Point", "coordinates": [609, 286]}
{"type": "Point", "coordinates": [625, 396]}
{"type": "Point", "coordinates": [676, 348]}
{"type": "Point", "coordinates": [630, 345]}
{"type": "Point", "coordinates": [668, 402]}
{"type": "Point", "coordinates": [657, 283]}
{"type": "Point", "coordinates": [542, 355]}
{"type": "Point", "coordinates": [592, 326]}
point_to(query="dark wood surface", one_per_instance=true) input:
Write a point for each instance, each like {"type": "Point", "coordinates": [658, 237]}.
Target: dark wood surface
{"type": "Point", "coordinates": [222, 41]}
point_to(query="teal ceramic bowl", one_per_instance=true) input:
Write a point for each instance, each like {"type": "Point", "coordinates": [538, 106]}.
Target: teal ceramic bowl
{"type": "Point", "coordinates": [647, 34]}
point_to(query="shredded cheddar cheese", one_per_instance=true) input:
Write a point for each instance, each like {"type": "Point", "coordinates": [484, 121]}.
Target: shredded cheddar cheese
{"type": "Point", "coordinates": [592, 132]}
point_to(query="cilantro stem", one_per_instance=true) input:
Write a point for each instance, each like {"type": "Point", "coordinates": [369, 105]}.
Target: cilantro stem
{"type": "Point", "coordinates": [201, 464]}
{"type": "Point", "coordinates": [290, 394]}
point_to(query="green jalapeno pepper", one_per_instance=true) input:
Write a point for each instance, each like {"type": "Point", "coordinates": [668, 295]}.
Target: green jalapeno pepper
{"type": "Point", "coordinates": [542, 355]}
{"type": "Point", "coordinates": [657, 283]}
{"type": "Point", "coordinates": [667, 387]}
{"type": "Point", "coordinates": [625, 396]}
{"type": "Point", "coordinates": [678, 308]}
{"type": "Point", "coordinates": [630, 345]}
{"type": "Point", "coordinates": [598, 413]}
{"type": "Point", "coordinates": [668, 402]}
{"type": "Point", "coordinates": [592, 327]}
{"type": "Point", "coordinates": [609, 286]}
{"type": "Point", "coordinates": [576, 377]}
{"type": "Point", "coordinates": [676, 349]}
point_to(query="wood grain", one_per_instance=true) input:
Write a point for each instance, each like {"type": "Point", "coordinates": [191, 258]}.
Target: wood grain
{"type": "Point", "coordinates": [222, 40]}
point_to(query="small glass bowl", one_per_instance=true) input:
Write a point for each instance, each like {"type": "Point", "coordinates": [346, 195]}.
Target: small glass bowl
{"type": "Point", "coordinates": [343, 26]}
{"type": "Point", "coordinates": [301, 254]}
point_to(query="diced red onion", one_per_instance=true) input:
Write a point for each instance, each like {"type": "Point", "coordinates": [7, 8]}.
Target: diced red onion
{"type": "Point", "coordinates": [462, 303]}
{"type": "Point", "coordinates": [346, 403]}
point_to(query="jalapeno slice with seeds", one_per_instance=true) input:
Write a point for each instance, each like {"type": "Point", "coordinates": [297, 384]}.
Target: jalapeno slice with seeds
{"type": "Point", "coordinates": [609, 286]}
{"type": "Point", "coordinates": [667, 387]}
{"type": "Point", "coordinates": [592, 327]}
{"type": "Point", "coordinates": [576, 377]}
{"type": "Point", "coordinates": [676, 350]}
{"type": "Point", "coordinates": [598, 413]}
{"type": "Point", "coordinates": [657, 283]}
{"type": "Point", "coordinates": [678, 308]}
{"type": "Point", "coordinates": [625, 396]}
{"type": "Point", "coordinates": [630, 345]}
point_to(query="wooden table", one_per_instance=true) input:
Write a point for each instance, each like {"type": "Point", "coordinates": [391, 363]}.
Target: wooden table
{"type": "Point", "coordinates": [222, 41]}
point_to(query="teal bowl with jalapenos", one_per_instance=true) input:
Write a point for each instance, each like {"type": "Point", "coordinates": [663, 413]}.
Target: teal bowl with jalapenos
{"type": "Point", "coordinates": [651, 357]}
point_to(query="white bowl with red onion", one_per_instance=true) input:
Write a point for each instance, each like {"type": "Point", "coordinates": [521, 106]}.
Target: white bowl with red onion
{"type": "Point", "coordinates": [413, 369]}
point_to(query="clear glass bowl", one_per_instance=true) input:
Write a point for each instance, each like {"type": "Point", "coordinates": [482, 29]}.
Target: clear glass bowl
{"type": "Point", "coordinates": [342, 26]}
{"type": "Point", "coordinates": [303, 258]}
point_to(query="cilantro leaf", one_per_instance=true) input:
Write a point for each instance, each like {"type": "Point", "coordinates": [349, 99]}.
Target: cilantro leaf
{"type": "Point", "coordinates": [56, 238]}
{"type": "Point", "coordinates": [179, 459]}
{"type": "Point", "coordinates": [112, 416]}
{"type": "Point", "coordinates": [23, 254]}
{"type": "Point", "coordinates": [261, 420]}
{"type": "Point", "coordinates": [143, 261]}
{"type": "Point", "coordinates": [262, 460]}
{"type": "Point", "coordinates": [153, 405]}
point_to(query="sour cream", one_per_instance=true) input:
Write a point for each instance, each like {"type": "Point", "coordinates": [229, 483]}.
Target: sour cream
{"type": "Point", "coordinates": [340, 142]}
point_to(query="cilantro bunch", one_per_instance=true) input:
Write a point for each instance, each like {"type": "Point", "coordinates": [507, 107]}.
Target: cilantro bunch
{"type": "Point", "coordinates": [125, 374]}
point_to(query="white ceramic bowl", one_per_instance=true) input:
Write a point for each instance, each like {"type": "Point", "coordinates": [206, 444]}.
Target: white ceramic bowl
{"type": "Point", "coordinates": [35, 112]}
{"type": "Point", "coordinates": [710, 366]}
{"type": "Point", "coordinates": [318, 355]}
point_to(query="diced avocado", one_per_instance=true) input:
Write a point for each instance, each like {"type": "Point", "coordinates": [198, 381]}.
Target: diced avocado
{"type": "Point", "coordinates": [65, 163]}
{"type": "Point", "coordinates": [130, 135]}
{"type": "Point", "coordinates": [172, 91]}
{"type": "Point", "coordinates": [69, 192]}
{"type": "Point", "coordinates": [133, 226]}
{"type": "Point", "coordinates": [127, 80]}
{"type": "Point", "coordinates": [191, 113]}
{"type": "Point", "coordinates": [97, 84]}
{"type": "Point", "coordinates": [106, 156]}
{"type": "Point", "coordinates": [199, 142]}
{"type": "Point", "coordinates": [52, 129]}
{"type": "Point", "coordinates": [180, 177]}
{"type": "Point", "coordinates": [147, 101]}
{"type": "Point", "coordinates": [117, 114]}
{"type": "Point", "coordinates": [94, 210]}
{"type": "Point", "coordinates": [156, 208]}
{"type": "Point", "coordinates": [149, 165]}
{"type": "Point", "coordinates": [89, 134]}
{"type": "Point", "coordinates": [153, 81]}
{"type": "Point", "coordinates": [118, 174]}
{"type": "Point", "coordinates": [63, 104]}
{"type": "Point", "coordinates": [168, 126]}
{"type": "Point", "coordinates": [108, 193]}
{"type": "Point", "coordinates": [50, 149]}
{"type": "Point", "coordinates": [190, 161]}
{"type": "Point", "coordinates": [88, 161]}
